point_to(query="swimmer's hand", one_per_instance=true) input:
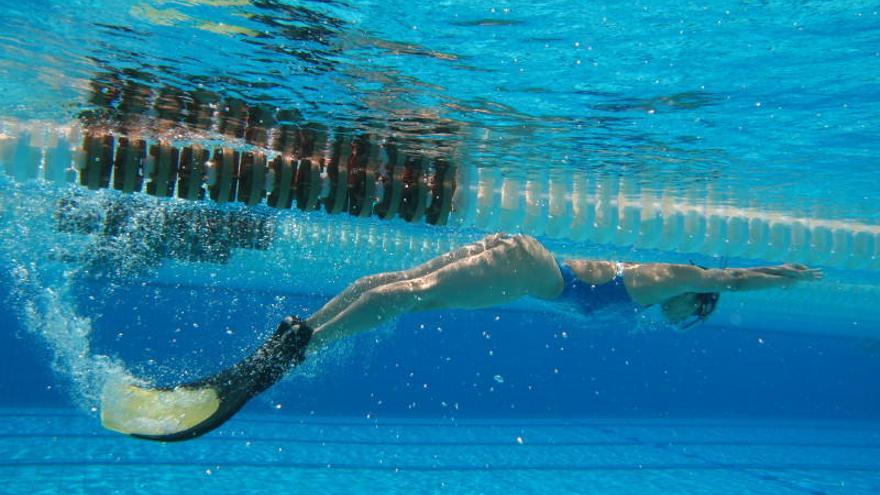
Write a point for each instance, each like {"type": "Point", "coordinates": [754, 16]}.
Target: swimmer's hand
{"type": "Point", "coordinates": [191, 410]}
{"type": "Point", "coordinates": [793, 271]}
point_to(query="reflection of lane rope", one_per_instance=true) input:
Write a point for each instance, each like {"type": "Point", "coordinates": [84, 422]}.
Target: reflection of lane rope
{"type": "Point", "coordinates": [39, 293]}
{"type": "Point", "coordinates": [360, 176]}
{"type": "Point", "coordinates": [368, 178]}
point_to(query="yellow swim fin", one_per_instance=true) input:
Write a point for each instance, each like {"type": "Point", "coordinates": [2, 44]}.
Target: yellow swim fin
{"type": "Point", "coordinates": [143, 411]}
{"type": "Point", "coordinates": [191, 410]}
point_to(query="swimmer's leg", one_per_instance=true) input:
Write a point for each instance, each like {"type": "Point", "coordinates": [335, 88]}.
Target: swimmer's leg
{"type": "Point", "coordinates": [513, 268]}
{"type": "Point", "coordinates": [362, 285]}
{"type": "Point", "coordinates": [501, 270]}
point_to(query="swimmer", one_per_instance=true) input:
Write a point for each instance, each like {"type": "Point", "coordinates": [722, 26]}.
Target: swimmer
{"type": "Point", "coordinates": [496, 270]}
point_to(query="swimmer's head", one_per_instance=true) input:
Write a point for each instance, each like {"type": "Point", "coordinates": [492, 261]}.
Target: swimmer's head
{"type": "Point", "coordinates": [690, 309]}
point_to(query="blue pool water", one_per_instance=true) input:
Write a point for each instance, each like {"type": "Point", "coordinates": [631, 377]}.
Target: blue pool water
{"type": "Point", "coordinates": [339, 455]}
{"type": "Point", "coordinates": [735, 134]}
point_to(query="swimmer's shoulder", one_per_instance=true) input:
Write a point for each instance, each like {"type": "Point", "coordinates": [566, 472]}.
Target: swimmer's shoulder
{"type": "Point", "coordinates": [593, 272]}
{"type": "Point", "coordinates": [600, 271]}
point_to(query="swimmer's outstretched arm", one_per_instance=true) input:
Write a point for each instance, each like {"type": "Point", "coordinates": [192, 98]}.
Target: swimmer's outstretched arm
{"type": "Point", "coordinates": [757, 278]}
{"type": "Point", "coordinates": [657, 282]}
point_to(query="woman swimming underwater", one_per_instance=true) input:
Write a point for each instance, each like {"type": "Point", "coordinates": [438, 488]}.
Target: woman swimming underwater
{"type": "Point", "coordinates": [497, 270]}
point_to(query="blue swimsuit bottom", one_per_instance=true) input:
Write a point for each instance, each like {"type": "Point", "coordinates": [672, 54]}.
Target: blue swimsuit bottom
{"type": "Point", "coordinates": [589, 297]}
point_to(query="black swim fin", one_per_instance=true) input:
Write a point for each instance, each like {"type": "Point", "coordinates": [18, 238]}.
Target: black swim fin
{"type": "Point", "coordinates": [191, 410]}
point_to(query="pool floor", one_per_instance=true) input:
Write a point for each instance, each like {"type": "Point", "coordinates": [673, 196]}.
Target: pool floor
{"type": "Point", "coordinates": [65, 451]}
